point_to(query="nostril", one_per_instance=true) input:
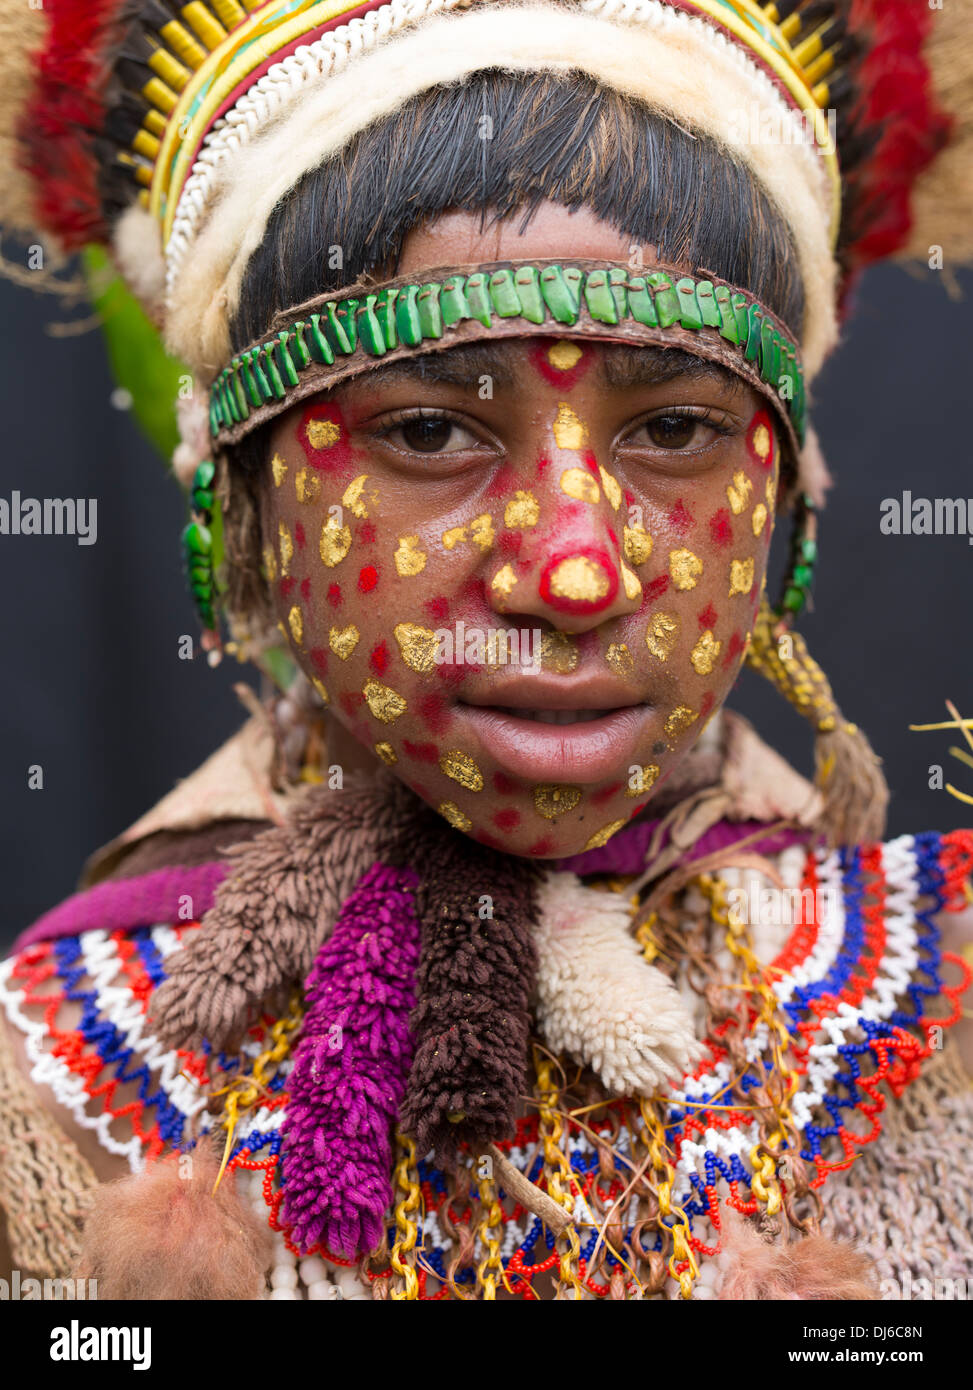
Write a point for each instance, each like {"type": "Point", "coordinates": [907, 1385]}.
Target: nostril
{"type": "Point", "coordinates": [581, 581]}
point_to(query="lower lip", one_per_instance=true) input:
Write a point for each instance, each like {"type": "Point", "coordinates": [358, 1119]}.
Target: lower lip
{"type": "Point", "coordinates": [591, 751]}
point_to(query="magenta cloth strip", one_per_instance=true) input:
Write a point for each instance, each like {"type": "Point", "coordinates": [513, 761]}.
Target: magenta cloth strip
{"type": "Point", "coordinates": [125, 903]}
{"type": "Point", "coordinates": [625, 852]}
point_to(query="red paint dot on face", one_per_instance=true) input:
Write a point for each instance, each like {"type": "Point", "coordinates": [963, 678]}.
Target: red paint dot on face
{"type": "Point", "coordinates": [422, 752]}
{"type": "Point", "coordinates": [733, 649]}
{"type": "Point", "coordinates": [351, 702]}
{"type": "Point", "coordinates": [287, 587]}
{"type": "Point", "coordinates": [505, 785]}
{"type": "Point", "coordinates": [613, 535]}
{"type": "Point", "coordinates": [681, 519]}
{"type": "Point", "coordinates": [306, 590]}
{"type": "Point", "coordinates": [508, 819]}
{"type": "Point", "coordinates": [606, 794]}
{"type": "Point", "coordinates": [590, 462]}
{"type": "Point", "coordinates": [595, 556]}
{"type": "Point", "coordinates": [334, 595]}
{"type": "Point", "coordinates": [629, 498]}
{"type": "Point", "coordinates": [455, 675]}
{"type": "Point", "coordinates": [319, 659]}
{"type": "Point", "coordinates": [543, 464]}
{"type": "Point", "coordinates": [504, 483]}
{"type": "Point", "coordinates": [367, 578]}
{"type": "Point", "coordinates": [366, 533]}
{"type": "Point", "coordinates": [637, 809]}
{"type": "Point", "coordinates": [657, 587]}
{"type": "Point", "coordinates": [299, 535]}
{"type": "Point", "coordinates": [334, 457]}
{"type": "Point", "coordinates": [438, 608]}
{"type": "Point", "coordinates": [708, 701]}
{"type": "Point", "coordinates": [556, 376]}
{"type": "Point", "coordinates": [761, 421]}
{"type": "Point", "coordinates": [541, 848]}
{"type": "Point", "coordinates": [379, 659]}
{"type": "Point", "coordinates": [720, 528]}
{"type": "Point", "coordinates": [434, 714]}
{"type": "Point", "coordinates": [708, 616]}
{"type": "Point", "coordinates": [509, 542]}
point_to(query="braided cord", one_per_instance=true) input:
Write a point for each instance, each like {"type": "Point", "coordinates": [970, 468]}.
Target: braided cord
{"type": "Point", "coordinates": [405, 1281]}
{"type": "Point", "coordinates": [559, 1181]}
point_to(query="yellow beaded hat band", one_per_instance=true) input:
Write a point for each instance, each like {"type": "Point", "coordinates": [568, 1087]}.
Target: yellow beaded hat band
{"type": "Point", "coordinates": [229, 131]}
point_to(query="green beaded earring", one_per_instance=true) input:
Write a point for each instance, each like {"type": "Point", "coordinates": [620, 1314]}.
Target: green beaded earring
{"type": "Point", "coordinates": [197, 543]}
{"type": "Point", "coordinates": [804, 554]}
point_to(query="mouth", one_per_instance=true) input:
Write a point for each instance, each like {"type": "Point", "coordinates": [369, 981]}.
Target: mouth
{"type": "Point", "coordinates": [580, 745]}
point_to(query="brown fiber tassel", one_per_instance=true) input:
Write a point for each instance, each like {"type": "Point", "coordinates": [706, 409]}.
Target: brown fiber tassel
{"type": "Point", "coordinates": [272, 913]}
{"type": "Point", "coordinates": [165, 1234]}
{"type": "Point", "coordinates": [476, 974]}
{"type": "Point", "coordinates": [848, 773]}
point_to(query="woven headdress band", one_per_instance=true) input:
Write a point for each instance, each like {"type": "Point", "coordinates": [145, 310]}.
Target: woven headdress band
{"type": "Point", "coordinates": [322, 342]}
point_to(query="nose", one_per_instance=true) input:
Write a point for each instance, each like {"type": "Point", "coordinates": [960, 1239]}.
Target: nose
{"type": "Point", "coordinates": [569, 568]}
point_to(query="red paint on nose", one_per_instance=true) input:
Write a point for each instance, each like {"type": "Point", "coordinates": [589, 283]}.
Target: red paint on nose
{"type": "Point", "coordinates": [599, 561]}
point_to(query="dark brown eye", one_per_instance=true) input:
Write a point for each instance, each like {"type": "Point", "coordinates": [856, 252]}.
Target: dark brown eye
{"type": "Point", "coordinates": [672, 431]}
{"type": "Point", "coordinates": [427, 436]}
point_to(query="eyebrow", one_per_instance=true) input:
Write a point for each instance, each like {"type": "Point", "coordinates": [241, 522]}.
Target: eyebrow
{"type": "Point", "coordinates": [620, 364]}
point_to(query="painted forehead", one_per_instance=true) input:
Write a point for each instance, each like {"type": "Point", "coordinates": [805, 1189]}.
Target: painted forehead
{"type": "Point", "coordinates": [617, 365]}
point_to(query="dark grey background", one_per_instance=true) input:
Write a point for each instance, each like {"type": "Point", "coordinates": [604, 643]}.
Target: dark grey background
{"type": "Point", "coordinates": [95, 693]}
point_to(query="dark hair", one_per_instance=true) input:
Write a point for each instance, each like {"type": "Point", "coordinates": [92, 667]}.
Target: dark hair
{"type": "Point", "coordinates": [501, 143]}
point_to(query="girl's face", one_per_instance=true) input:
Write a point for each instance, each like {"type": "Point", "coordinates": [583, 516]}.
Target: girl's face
{"type": "Point", "coordinates": [523, 572]}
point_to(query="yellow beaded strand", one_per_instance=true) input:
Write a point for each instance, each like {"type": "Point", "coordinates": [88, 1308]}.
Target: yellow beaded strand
{"type": "Point", "coordinates": [405, 1283]}
{"type": "Point", "coordinates": [559, 1180]}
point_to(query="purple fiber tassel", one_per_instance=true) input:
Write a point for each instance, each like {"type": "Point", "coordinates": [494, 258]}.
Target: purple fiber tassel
{"type": "Point", "coordinates": [350, 1068]}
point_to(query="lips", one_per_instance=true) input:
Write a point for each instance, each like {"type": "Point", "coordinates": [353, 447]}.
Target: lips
{"type": "Point", "coordinates": [540, 745]}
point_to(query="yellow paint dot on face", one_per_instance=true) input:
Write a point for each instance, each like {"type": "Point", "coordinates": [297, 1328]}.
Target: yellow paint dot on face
{"type": "Point", "coordinates": [455, 536]}
{"type": "Point", "coordinates": [738, 493]}
{"type": "Point", "coordinates": [569, 431]}
{"type": "Point", "coordinates": [581, 485]}
{"type": "Point", "coordinates": [704, 654]}
{"type": "Point", "coordinates": [387, 753]}
{"type": "Point", "coordinates": [279, 469]}
{"type": "Point", "coordinates": [409, 559]}
{"type": "Point", "coordinates": [385, 703]}
{"type": "Point", "coordinates": [270, 562]}
{"type": "Point", "coordinates": [579, 578]}
{"type": "Point", "coordinates": [619, 658]}
{"type": "Point", "coordinates": [295, 621]}
{"type": "Point", "coordinates": [455, 816]}
{"type": "Point", "coordinates": [552, 800]}
{"type": "Point", "coordinates": [462, 769]}
{"type": "Point", "coordinates": [307, 485]}
{"type": "Point", "coordinates": [321, 434]}
{"type": "Point", "coordinates": [335, 542]}
{"type": "Point", "coordinates": [559, 653]}
{"type": "Point", "coordinates": [759, 518]}
{"type": "Point", "coordinates": [680, 718]}
{"type": "Point", "coordinates": [417, 645]}
{"type": "Point", "coordinates": [741, 576]}
{"type": "Point", "coordinates": [643, 781]}
{"type": "Point", "coordinates": [661, 635]}
{"type": "Point", "coordinates": [319, 687]}
{"type": "Point", "coordinates": [685, 568]}
{"type": "Point", "coordinates": [762, 442]}
{"type": "Point", "coordinates": [481, 531]}
{"type": "Point", "coordinates": [343, 641]}
{"type": "Point", "coordinates": [352, 497]}
{"type": "Point", "coordinates": [632, 583]}
{"type": "Point", "coordinates": [286, 547]}
{"type": "Point", "coordinates": [522, 512]}
{"type": "Point", "coordinates": [771, 493]}
{"type": "Point", "coordinates": [563, 355]}
{"type": "Point", "coordinates": [612, 489]}
{"type": "Point", "coordinates": [602, 836]}
{"type": "Point", "coordinates": [503, 581]}
{"type": "Point", "coordinates": [637, 545]}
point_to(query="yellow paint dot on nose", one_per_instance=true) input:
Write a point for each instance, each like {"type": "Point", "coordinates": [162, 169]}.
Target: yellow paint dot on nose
{"type": "Point", "coordinates": [563, 355]}
{"type": "Point", "coordinates": [578, 578]}
{"type": "Point", "coordinates": [503, 581]}
{"type": "Point", "coordinates": [570, 431]}
{"type": "Point", "coordinates": [581, 485]}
